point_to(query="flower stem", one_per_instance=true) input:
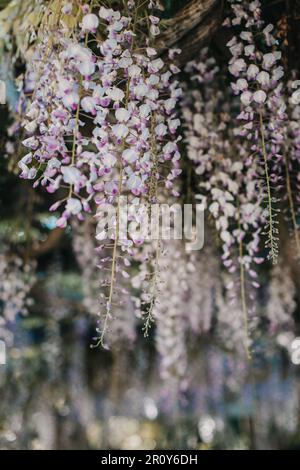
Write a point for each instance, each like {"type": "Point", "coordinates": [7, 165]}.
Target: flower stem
{"type": "Point", "coordinates": [76, 128]}
{"type": "Point", "coordinates": [271, 237]}
{"type": "Point", "coordinates": [153, 290]}
{"type": "Point", "coordinates": [153, 199]}
{"type": "Point", "coordinates": [243, 292]}
{"type": "Point", "coordinates": [117, 235]}
{"type": "Point", "coordinates": [114, 261]}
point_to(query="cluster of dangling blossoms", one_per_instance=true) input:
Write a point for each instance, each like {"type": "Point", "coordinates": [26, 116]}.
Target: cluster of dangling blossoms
{"type": "Point", "coordinates": [244, 153]}
{"type": "Point", "coordinates": [99, 114]}
{"type": "Point", "coordinates": [101, 125]}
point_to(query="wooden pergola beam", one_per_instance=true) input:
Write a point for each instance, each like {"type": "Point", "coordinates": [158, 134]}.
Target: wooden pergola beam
{"type": "Point", "coordinates": [191, 27]}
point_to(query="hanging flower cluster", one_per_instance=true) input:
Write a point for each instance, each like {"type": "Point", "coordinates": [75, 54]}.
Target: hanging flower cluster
{"type": "Point", "coordinates": [170, 312]}
{"type": "Point", "coordinates": [183, 304]}
{"type": "Point", "coordinates": [255, 65]}
{"type": "Point", "coordinates": [114, 90]}
{"type": "Point", "coordinates": [101, 123]}
{"type": "Point", "coordinates": [228, 187]}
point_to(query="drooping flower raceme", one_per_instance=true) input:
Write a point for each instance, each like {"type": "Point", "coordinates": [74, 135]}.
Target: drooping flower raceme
{"type": "Point", "coordinates": [256, 66]}
{"type": "Point", "coordinates": [102, 123]}
{"type": "Point", "coordinates": [227, 176]}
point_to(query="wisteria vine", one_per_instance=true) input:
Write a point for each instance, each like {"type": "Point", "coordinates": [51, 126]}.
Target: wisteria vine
{"type": "Point", "coordinates": [100, 113]}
